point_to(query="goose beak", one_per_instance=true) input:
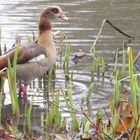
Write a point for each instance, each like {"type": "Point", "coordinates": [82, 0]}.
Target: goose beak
{"type": "Point", "coordinates": [63, 17]}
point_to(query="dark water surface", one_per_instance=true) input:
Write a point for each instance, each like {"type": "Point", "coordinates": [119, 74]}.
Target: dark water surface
{"type": "Point", "coordinates": [86, 16]}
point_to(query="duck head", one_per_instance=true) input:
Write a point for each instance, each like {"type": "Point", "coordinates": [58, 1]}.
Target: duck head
{"type": "Point", "coordinates": [54, 12]}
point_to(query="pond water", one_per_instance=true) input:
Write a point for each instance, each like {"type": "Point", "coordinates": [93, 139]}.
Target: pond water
{"type": "Point", "coordinates": [86, 16]}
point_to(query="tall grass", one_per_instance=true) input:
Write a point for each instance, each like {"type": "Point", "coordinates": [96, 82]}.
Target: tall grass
{"type": "Point", "coordinates": [135, 94]}
{"type": "Point", "coordinates": [27, 112]}
{"type": "Point", "coordinates": [66, 63]}
{"type": "Point", "coordinates": [54, 116]}
{"type": "Point", "coordinates": [123, 63]}
{"type": "Point", "coordinates": [11, 73]}
{"type": "Point", "coordinates": [133, 84]}
{"type": "Point", "coordinates": [115, 115]}
{"type": "Point", "coordinates": [116, 90]}
{"type": "Point", "coordinates": [68, 92]}
{"type": "Point", "coordinates": [90, 91]}
{"type": "Point", "coordinates": [98, 65]}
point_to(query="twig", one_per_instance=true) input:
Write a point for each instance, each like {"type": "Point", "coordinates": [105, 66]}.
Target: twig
{"type": "Point", "coordinates": [134, 75]}
{"type": "Point", "coordinates": [98, 36]}
{"type": "Point", "coordinates": [94, 125]}
{"type": "Point", "coordinates": [113, 26]}
{"type": "Point", "coordinates": [116, 28]}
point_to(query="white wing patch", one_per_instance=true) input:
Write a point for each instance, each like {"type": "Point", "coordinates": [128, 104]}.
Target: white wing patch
{"type": "Point", "coordinates": [38, 58]}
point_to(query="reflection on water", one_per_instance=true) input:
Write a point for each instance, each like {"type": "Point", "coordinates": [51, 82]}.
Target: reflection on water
{"type": "Point", "coordinates": [21, 17]}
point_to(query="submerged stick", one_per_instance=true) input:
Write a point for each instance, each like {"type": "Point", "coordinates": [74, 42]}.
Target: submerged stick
{"type": "Point", "coordinates": [119, 30]}
{"type": "Point", "coordinates": [113, 26]}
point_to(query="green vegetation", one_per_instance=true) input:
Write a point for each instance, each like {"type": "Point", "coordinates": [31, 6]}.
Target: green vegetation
{"type": "Point", "coordinates": [11, 74]}
{"type": "Point", "coordinates": [121, 119]}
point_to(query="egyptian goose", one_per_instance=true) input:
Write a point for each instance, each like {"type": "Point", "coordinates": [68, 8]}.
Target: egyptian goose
{"type": "Point", "coordinates": [28, 66]}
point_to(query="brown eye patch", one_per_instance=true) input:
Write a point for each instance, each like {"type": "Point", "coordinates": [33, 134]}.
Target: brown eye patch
{"type": "Point", "coordinates": [55, 10]}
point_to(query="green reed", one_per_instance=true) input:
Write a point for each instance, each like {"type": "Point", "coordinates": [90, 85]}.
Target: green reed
{"type": "Point", "coordinates": [92, 71]}
{"type": "Point", "coordinates": [42, 118]}
{"type": "Point", "coordinates": [48, 85]}
{"type": "Point", "coordinates": [66, 62]}
{"type": "Point", "coordinates": [27, 113]}
{"type": "Point", "coordinates": [54, 114]}
{"type": "Point", "coordinates": [86, 128]}
{"type": "Point", "coordinates": [68, 93]}
{"type": "Point", "coordinates": [116, 61]}
{"type": "Point", "coordinates": [29, 39]}
{"type": "Point", "coordinates": [103, 66]}
{"type": "Point", "coordinates": [123, 63]}
{"type": "Point", "coordinates": [86, 122]}
{"type": "Point", "coordinates": [51, 74]}
{"type": "Point", "coordinates": [133, 83]}
{"type": "Point", "coordinates": [70, 106]}
{"type": "Point", "coordinates": [90, 91]}
{"type": "Point", "coordinates": [98, 65]}
{"type": "Point", "coordinates": [114, 112]}
{"type": "Point", "coordinates": [93, 65]}
{"type": "Point", "coordinates": [135, 93]}
{"type": "Point", "coordinates": [11, 72]}
{"type": "Point", "coordinates": [116, 90]}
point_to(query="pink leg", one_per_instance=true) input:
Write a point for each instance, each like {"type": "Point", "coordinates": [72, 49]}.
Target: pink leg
{"type": "Point", "coordinates": [22, 89]}
{"type": "Point", "coordinates": [19, 89]}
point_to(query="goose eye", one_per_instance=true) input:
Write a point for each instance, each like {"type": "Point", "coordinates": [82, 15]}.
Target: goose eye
{"type": "Point", "coordinates": [55, 10]}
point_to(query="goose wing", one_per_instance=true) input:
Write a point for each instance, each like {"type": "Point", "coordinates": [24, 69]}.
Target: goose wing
{"type": "Point", "coordinates": [25, 54]}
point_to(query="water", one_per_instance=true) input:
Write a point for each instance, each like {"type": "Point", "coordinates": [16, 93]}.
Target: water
{"type": "Point", "coordinates": [86, 16]}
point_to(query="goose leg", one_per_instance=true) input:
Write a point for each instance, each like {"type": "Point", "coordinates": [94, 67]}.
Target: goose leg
{"type": "Point", "coordinates": [22, 90]}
